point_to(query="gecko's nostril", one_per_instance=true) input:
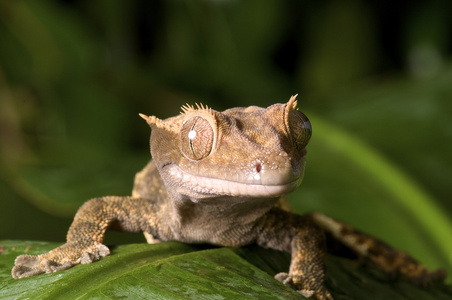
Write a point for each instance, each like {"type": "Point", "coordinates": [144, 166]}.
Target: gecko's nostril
{"type": "Point", "coordinates": [258, 167]}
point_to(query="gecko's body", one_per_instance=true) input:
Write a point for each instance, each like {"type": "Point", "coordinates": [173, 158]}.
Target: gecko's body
{"type": "Point", "coordinates": [219, 178]}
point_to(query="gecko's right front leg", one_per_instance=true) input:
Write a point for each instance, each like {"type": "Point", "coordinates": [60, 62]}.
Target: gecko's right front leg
{"type": "Point", "coordinates": [87, 232]}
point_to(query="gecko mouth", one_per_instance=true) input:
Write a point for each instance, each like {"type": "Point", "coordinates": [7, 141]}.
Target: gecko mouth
{"type": "Point", "coordinates": [207, 186]}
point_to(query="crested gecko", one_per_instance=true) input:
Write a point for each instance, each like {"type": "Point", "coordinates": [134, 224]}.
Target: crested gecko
{"type": "Point", "coordinates": [221, 178]}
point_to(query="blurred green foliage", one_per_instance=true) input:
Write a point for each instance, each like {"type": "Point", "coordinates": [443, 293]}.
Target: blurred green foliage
{"type": "Point", "coordinates": [374, 75]}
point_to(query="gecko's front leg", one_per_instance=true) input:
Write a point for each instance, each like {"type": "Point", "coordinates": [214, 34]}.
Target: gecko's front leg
{"type": "Point", "coordinates": [87, 232]}
{"type": "Point", "coordinates": [305, 241]}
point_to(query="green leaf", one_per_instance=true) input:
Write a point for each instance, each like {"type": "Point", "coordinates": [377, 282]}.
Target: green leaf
{"type": "Point", "coordinates": [159, 271]}
{"type": "Point", "coordinates": [179, 271]}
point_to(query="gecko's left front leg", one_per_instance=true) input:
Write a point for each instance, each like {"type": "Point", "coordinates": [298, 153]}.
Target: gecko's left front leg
{"type": "Point", "coordinates": [87, 232]}
{"type": "Point", "coordinates": [305, 241]}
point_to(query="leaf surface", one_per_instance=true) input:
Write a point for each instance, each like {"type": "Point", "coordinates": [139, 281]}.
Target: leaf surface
{"type": "Point", "coordinates": [179, 271]}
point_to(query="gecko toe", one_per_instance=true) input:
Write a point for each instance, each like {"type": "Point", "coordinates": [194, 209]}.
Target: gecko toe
{"type": "Point", "coordinates": [296, 283]}
{"type": "Point", "coordinates": [29, 265]}
{"type": "Point", "coordinates": [307, 293]}
{"type": "Point", "coordinates": [26, 266]}
{"type": "Point", "coordinates": [96, 252]}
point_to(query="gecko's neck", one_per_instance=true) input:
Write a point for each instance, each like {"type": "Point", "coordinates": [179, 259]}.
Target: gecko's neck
{"type": "Point", "coordinates": [194, 219]}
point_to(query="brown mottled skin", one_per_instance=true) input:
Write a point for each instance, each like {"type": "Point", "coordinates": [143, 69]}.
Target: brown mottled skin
{"type": "Point", "coordinates": [221, 178]}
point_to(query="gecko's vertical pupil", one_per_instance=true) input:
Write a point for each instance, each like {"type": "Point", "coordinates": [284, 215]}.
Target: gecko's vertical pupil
{"type": "Point", "coordinates": [196, 138]}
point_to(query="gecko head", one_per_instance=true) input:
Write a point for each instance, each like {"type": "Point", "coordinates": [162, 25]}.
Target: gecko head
{"type": "Point", "coordinates": [248, 152]}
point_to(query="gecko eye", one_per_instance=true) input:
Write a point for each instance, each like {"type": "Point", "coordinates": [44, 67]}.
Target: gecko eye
{"type": "Point", "coordinates": [300, 129]}
{"type": "Point", "coordinates": [196, 138]}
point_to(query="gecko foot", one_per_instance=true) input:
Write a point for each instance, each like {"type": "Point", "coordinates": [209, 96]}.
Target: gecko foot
{"type": "Point", "coordinates": [296, 282]}
{"type": "Point", "coordinates": [61, 258]}
{"type": "Point", "coordinates": [29, 265]}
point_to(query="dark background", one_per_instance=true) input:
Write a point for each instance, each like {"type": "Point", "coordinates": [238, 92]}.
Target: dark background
{"type": "Point", "coordinates": [375, 78]}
